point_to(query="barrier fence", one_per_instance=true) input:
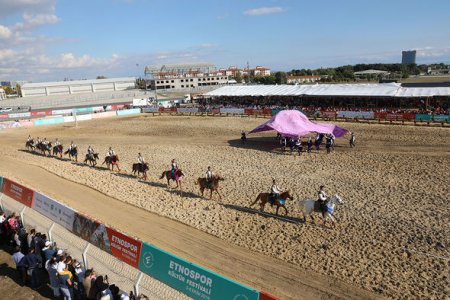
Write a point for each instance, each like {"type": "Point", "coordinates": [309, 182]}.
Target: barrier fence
{"type": "Point", "coordinates": [128, 261]}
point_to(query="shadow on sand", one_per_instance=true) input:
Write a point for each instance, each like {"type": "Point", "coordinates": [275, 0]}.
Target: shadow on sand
{"type": "Point", "coordinates": [264, 214]}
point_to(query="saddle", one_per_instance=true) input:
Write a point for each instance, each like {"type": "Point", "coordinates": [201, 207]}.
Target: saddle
{"type": "Point", "coordinates": [320, 206]}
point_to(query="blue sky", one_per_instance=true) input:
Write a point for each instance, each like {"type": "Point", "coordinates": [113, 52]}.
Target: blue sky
{"type": "Point", "coordinates": [44, 40]}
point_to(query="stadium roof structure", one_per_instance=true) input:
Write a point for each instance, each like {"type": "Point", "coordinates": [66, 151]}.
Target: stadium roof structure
{"type": "Point", "coordinates": [77, 82]}
{"type": "Point", "coordinates": [368, 90]}
{"type": "Point", "coordinates": [371, 72]}
{"type": "Point", "coordinates": [179, 68]}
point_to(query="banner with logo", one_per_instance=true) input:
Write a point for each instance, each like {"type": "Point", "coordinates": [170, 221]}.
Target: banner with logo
{"type": "Point", "coordinates": [62, 111]}
{"type": "Point", "coordinates": [91, 231]}
{"type": "Point", "coordinates": [18, 192]}
{"type": "Point", "coordinates": [41, 113]}
{"type": "Point", "coordinates": [187, 109]}
{"type": "Point", "coordinates": [190, 279]}
{"type": "Point", "coordinates": [150, 109]}
{"type": "Point", "coordinates": [232, 110]}
{"type": "Point", "coordinates": [329, 114]}
{"type": "Point", "coordinates": [124, 247]}
{"type": "Point", "coordinates": [4, 116]}
{"type": "Point", "coordinates": [55, 211]}
{"type": "Point", "coordinates": [19, 115]}
{"type": "Point", "coordinates": [441, 117]}
{"type": "Point", "coordinates": [356, 114]}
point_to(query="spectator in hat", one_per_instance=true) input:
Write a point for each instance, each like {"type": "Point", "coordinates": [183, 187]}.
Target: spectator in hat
{"type": "Point", "coordinates": [48, 251]}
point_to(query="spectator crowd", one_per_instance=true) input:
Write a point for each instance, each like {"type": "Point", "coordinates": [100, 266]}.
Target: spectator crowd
{"type": "Point", "coordinates": [40, 262]}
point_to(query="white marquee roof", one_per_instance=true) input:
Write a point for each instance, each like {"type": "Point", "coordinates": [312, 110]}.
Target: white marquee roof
{"type": "Point", "coordinates": [376, 90]}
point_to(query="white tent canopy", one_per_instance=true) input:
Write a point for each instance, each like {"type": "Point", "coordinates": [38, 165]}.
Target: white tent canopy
{"type": "Point", "coordinates": [375, 90]}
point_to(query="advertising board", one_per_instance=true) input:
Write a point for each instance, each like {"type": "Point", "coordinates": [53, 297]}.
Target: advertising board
{"type": "Point", "coordinates": [83, 109]}
{"type": "Point", "coordinates": [441, 117]}
{"type": "Point", "coordinates": [41, 113]}
{"type": "Point", "coordinates": [187, 109]}
{"type": "Point", "coordinates": [91, 231]}
{"type": "Point", "coordinates": [19, 115]}
{"type": "Point", "coordinates": [124, 247]}
{"type": "Point", "coordinates": [18, 192]}
{"type": "Point", "coordinates": [150, 109]}
{"type": "Point", "coordinates": [423, 117]}
{"type": "Point", "coordinates": [103, 115]}
{"type": "Point", "coordinates": [232, 110]}
{"type": "Point", "coordinates": [48, 121]}
{"type": "Point", "coordinates": [55, 211]}
{"type": "Point", "coordinates": [189, 278]}
{"type": "Point", "coordinates": [356, 114]}
{"type": "Point", "coordinates": [127, 112]}
{"type": "Point", "coordinates": [84, 117]}
{"type": "Point", "coordinates": [62, 111]}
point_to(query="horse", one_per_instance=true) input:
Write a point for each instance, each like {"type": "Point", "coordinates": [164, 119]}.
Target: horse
{"type": "Point", "coordinates": [30, 145]}
{"type": "Point", "coordinates": [92, 159]}
{"type": "Point", "coordinates": [213, 186]}
{"type": "Point", "coordinates": [112, 161]}
{"type": "Point", "coordinates": [58, 150]}
{"type": "Point", "coordinates": [309, 206]}
{"type": "Point", "coordinates": [280, 202]}
{"type": "Point", "coordinates": [72, 153]}
{"type": "Point", "coordinates": [177, 178]}
{"type": "Point", "coordinates": [44, 148]}
{"type": "Point", "coordinates": [141, 168]}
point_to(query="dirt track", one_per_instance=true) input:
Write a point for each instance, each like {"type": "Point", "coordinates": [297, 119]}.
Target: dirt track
{"type": "Point", "coordinates": [373, 260]}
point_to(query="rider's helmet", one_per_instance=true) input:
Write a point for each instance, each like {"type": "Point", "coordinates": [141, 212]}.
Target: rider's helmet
{"type": "Point", "coordinates": [139, 153]}
{"type": "Point", "coordinates": [209, 168]}
{"type": "Point", "coordinates": [322, 187]}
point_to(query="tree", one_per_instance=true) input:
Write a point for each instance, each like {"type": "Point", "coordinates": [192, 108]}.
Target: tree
{"type": "Point", "coordinates": [101, 77]}
{"type": "Point", "coordinates": [280, 78]}
{"type": "Point", "coordinates": [19, 90]}
{"type": "Point", "coordinates": [8, 90]}
{"type": "Point", "coordinates": [238, 77]}
{"type": "Point", "coordinates": [140, 83]}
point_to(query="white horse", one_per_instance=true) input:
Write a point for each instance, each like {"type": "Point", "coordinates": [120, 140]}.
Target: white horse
{"type": "Point", "coordinates": [309, 206]}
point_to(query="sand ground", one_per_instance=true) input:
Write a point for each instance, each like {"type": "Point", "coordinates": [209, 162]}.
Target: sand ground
{"type": "Point", "coordinates": [395, 185]}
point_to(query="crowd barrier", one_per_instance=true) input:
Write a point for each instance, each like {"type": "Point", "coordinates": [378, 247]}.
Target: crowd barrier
{"type": "Point", "coordinates": [48, 121]}
{"type": "Point", "coordinates": [187, 278]}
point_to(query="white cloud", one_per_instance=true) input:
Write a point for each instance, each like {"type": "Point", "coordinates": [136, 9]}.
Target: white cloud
{"type": "Point", "coordinates": [264, 11]}
{"type": "Point", "coordinates": [32, 21]}
{"type": "Point", "coordinates": [5, 32]}
{"type": "Point", "coordinates": [6, 54]}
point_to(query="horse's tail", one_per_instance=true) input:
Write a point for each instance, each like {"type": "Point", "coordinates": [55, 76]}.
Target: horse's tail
{"type": "Point", "coordinates": [257, 198]}
{"type": "Point", "coordinates": [162, 176]}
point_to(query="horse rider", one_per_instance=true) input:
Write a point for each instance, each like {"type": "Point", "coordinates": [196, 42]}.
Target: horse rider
{"type": "Point", "coordinates": [57, 143]}
{"type": "Point", "coordinates": [322, 199]}
{"type": "Point", "coordinates": [90, 152]}
{"type": "Point", "coordinates": [29, 139]}
{"type": "Point", "coordinates": [298, 144]}
{"type": "Point", "coordinates": [111, 152]}
{"type": "Point", "coordinates": [38, 140]}
{"type": "Point", "coordinates": [141, 161]}
{"type": "Point", "coordinates": [72, 146]}
{"type": "Point", "coordinates": [174, 167]}
{"type": "Point", "coordinates": [209, 177]}
{"type": "Point", "coordinates": [275, 191]}
{"type": "Point", "coordinates": [352, 139]}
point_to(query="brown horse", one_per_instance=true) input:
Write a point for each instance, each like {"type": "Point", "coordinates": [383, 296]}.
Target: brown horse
{"type": "Point", "coordinates": [30, 145]}
{"type": "Point", "coordinates": [58, 150]}
{"type": "Point", "coordinates": [139, 168]}
{"type": "Point", "coordinates": [213, 186]}
{"type": "Point", "coordinates": [44, 148]}
{"type": "Point", "coordinates": [72, 153]}
{"type": "Point", "coordinates": [112, 161]}
{"type": "Point", "coordinates": [177, 178]}
{"type": "Point", "coordinates": [280, 202]}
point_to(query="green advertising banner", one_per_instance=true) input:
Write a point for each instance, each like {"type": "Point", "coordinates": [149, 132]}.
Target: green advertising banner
{"type": "Point", "coordinates": [189, 278]}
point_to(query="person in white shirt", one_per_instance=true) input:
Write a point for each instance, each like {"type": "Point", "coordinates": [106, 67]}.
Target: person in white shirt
{"type": "Point", "coordinates": [57, 143]}
{"type": "Point", "coordinates": [322, 198]}
{"type": "Point", "coordinates": [209, 177]}
{"type": "Point", "coordinates": [275, 191]}
{"type": "Point", "coordinates": [140, 159]}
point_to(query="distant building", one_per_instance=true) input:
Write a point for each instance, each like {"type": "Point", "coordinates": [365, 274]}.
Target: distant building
{"type": "Point", "coordinates": [2, 94]}
{"type": "Point", "coordinates": [185, 76]}
{"type": "Point", "coordinates": [367, 73]}
{"type": "Point", "coordinates": [78, 86]}
{"type": "Point", "coordinates": [303, 79]}
{"type": "Point", "coordinates": [408, 57]}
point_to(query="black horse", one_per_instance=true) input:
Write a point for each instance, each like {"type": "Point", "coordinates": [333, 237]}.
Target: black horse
{"type": "Point", "coordinates": [141, 168]}
{"type": "Point", "coordinates": [91, 159]}
{"type": "Point", "coordinates": [73, 152]}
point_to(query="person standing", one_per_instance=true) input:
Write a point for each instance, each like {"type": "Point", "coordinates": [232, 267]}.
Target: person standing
{"type": "Point", "coordinates": [33, 264]}
{"type": "Point", "coordinates": [310, 144]}
{"type": "Point", "coordinates": [18, 260]}
{"type": "Point", "coordinates": [352, 139]}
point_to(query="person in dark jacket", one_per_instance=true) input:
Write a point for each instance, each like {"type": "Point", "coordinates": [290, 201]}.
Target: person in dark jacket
{"type": "Point", "coordinates": [33, 263]}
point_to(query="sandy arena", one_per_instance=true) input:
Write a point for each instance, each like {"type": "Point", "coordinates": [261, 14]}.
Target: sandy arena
{"type": "Point", "coordinates": [395, 185]}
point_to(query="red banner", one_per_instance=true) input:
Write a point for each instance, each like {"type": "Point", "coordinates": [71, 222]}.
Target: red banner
{"type": "Point", "coordinates": [248, 111]}
{"type": "Point", "coordinates": [124, 248]}
{"type": "Point", "coordinates": [117, 106]}
{"type": "Point", "coordinates": [409, 116]}
{"type": "Point", "coordinates": [18, 192]}
{"type": "Point", "coordinates": [168, 109]}
{"type": "Point", "coordinates": [394, 116]}
{"type": "Point", "coordinates": [267, 111]}
{"type": "Point", "coordinates": [4, 116]}
{"type": "Point", "coordinates": [215, 110]}
{"type": "Point", "coordinates": [267, 296]}
{"type": "Point", "coordinates": [380, 115]}
{"type": "Point", "coordinates": [41, 113]}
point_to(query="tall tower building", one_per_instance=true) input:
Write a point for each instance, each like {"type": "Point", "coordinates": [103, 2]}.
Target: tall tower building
{"type": "Point", "coordinates": [408, 57]}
